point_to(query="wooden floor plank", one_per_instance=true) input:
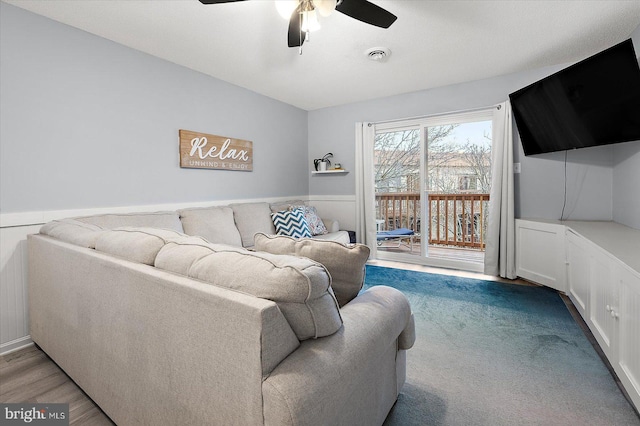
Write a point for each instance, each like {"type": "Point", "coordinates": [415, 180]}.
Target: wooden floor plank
{"type": "Point", "coordinates": [37, 374]}
{"type": "Point", "coordinates": [29, 375]}
{"type": "Point", "coordinates": [24, 354]}
{"type": "Point", "coordinates": [85, 412]}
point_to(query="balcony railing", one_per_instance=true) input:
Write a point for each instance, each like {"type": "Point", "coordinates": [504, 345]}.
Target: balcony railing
{"type": "Point", "coordinates": [456, 219]}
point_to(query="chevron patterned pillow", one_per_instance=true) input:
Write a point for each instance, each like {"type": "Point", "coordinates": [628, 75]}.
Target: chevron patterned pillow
{"type": "Point", "coordinates": [291, 223]}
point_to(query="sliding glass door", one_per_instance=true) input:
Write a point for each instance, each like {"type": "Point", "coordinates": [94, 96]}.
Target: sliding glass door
{"type": "Point", "coordinates": [432, 184]}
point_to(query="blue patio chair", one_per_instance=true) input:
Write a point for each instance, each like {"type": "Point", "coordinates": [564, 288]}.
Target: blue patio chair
{"type": "Point", "coordinates": [398, 235]}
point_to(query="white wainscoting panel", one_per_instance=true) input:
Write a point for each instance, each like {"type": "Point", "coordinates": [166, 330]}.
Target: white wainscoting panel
{"type": "Point", "coordinates": [342, 208]}
{"type": "Point", "coordinates": [14, 303]}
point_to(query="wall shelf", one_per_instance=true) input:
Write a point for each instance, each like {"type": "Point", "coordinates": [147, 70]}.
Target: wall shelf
{"type": "Point", "coordinates": [330, 172]}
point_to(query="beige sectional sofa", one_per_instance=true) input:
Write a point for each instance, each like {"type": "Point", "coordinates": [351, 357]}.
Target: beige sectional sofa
{"type": "Point", "coordinates": [163, 328]}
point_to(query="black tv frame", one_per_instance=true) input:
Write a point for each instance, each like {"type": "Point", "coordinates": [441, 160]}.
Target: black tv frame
{"type": "Point", "coordinates": [593, 102]}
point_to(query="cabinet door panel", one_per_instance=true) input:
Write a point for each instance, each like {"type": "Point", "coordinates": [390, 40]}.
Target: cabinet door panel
{"type": "Point", "coordinates": [628, 366]}
{"type": "Point", "coordinates": [540, 253]}
{"type": "Point", "coordinates": [604, 303]}
{"type": "Point", "coordinates": [578, 273]}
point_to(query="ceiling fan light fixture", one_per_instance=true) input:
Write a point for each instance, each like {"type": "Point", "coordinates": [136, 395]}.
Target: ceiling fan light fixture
{"type": "Point", "coordinates": [286, 7]}
{"type": "Point", "coordinates": [325, 7]}
{"type": "Point", "coordinates": [303, 18]}
{"type": "Point", "coordinates": [309, 21]}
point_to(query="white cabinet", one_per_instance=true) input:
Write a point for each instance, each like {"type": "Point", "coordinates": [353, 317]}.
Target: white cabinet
{"type": "Point", "coordinates": [627, 316]}
{"type": "Point", "coordinates": [598, 265]}
{"type": "Point", "coordinates": [606, 292]}
{"type": "Point", "coordinates": [593, 289]}
{"type": "Point", "coordinates": [540, 253]}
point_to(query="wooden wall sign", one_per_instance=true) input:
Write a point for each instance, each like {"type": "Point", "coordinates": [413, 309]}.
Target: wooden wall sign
{"type": "Point", "coordinates": [203, 151]}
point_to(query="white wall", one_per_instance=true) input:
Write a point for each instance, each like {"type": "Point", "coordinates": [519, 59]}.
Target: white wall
{"type": "Point", "coordinates": [540, 193]}
{"type": "Point", "coordinates": [540, 186]}
{"type": "Point", "coordinates": [626, 189]}
{"type": "Point", "coordinates": [87, 122]}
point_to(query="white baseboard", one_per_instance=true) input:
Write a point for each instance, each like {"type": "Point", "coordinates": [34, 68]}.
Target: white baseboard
{"type": "Point", "coordinates": [15, 345]}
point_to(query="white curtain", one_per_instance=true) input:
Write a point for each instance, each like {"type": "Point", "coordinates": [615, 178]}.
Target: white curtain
{"type": "Point", "coordinates": [365, 186]}
{"type": "Point", "coordinates": [499, 257]}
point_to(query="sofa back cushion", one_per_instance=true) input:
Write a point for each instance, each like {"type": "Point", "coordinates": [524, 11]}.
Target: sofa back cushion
{"type": "Point", "coordinates": [215, 224]}
{"type": "Point", "coordinates": [179, 256]}
{"type": "Point", "coordinates": [73, 231]}
{"type": "Point", "coordinates": [136, 244]}
{"type": "Point", "coordinates": [346, 264]}
{"type": "Point", "coordinates": [252, 218]}
{"type": "Point", "coordinates": [299, 286]}
{"type": "Point", "coordinates": [163, 220]}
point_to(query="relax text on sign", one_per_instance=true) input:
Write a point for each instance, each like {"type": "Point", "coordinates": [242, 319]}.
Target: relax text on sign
{"type": "Point", "coordinates": [204, 151]}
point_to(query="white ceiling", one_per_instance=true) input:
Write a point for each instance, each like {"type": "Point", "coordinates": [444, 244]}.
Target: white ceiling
{"type": "Point", "coordinates": [433, 43]}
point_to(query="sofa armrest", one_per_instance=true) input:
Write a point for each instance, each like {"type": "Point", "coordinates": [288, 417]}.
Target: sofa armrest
{"type": "Point", "coordinates": [332, 225]}
{"type": "Point", "coordinates": [387, 311]}
{"type": "Point", "coordinates": [354, 369]}
{"type": "Point", "coordinates": [408, 336]}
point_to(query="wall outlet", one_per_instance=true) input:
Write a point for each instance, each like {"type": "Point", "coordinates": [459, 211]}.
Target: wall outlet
{"type": "Point", "coordinates": [516, 168]}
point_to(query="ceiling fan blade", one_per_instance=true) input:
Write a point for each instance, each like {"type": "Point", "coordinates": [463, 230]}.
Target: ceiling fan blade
{"type": "Point", "coordinates": [295, 37]}
{"type": "Point", "coordinates": [218, 1]}
{"type": "Point", "coordinates": [365, 11]}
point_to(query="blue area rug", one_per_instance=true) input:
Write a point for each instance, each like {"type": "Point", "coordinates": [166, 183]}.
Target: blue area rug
{"type": "Point", "coordinates": [489, 353]}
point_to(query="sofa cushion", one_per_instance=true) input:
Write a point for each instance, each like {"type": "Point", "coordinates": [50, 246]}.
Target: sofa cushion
{"type": "Point", "coordinates": [291, 223]}
{"type": "Point", "coordinates": [136, 244]}
{"type": "Point", "coordinates": [216, 224]}
{"type": "Point", "coordinates": [252, 218]}
{"type": "Point", "coordinates": [163, 220]}
{"type": "Point", "coordinates": [179, 256]}
{"type": "Point", "coordinates": [341, 237]}
{"type": "Point", "coordinates": [299, 286]}
{"type": "Point", "coordinates": [316, 225]}
{"type": "Point", "coordinates": [346, 264]}
{"type": "Point", "coordinates": [73, 231]}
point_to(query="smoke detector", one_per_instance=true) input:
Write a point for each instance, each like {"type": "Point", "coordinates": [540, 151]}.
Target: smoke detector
{"type": "Point", "coordinates": [378, 54]}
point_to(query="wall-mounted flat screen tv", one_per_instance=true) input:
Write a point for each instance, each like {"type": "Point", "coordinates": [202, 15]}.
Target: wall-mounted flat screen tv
{"type": "Point", "coordinates": [593, 102]}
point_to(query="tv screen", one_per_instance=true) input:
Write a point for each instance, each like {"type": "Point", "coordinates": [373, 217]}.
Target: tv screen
{"type": "Point", "coordinates": [593, 102]}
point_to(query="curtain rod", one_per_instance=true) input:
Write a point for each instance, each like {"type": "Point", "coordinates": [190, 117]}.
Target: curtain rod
{"type": "Point", "coordinates": [422, 117]}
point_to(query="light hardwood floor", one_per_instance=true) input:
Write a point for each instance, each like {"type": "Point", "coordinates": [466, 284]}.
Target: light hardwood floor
{"type": "Point", "coordinates": [29, 375]}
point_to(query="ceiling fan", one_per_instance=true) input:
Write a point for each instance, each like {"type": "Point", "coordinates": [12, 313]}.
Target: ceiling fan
{"type": "Point", "coordinates": [303, 19]}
